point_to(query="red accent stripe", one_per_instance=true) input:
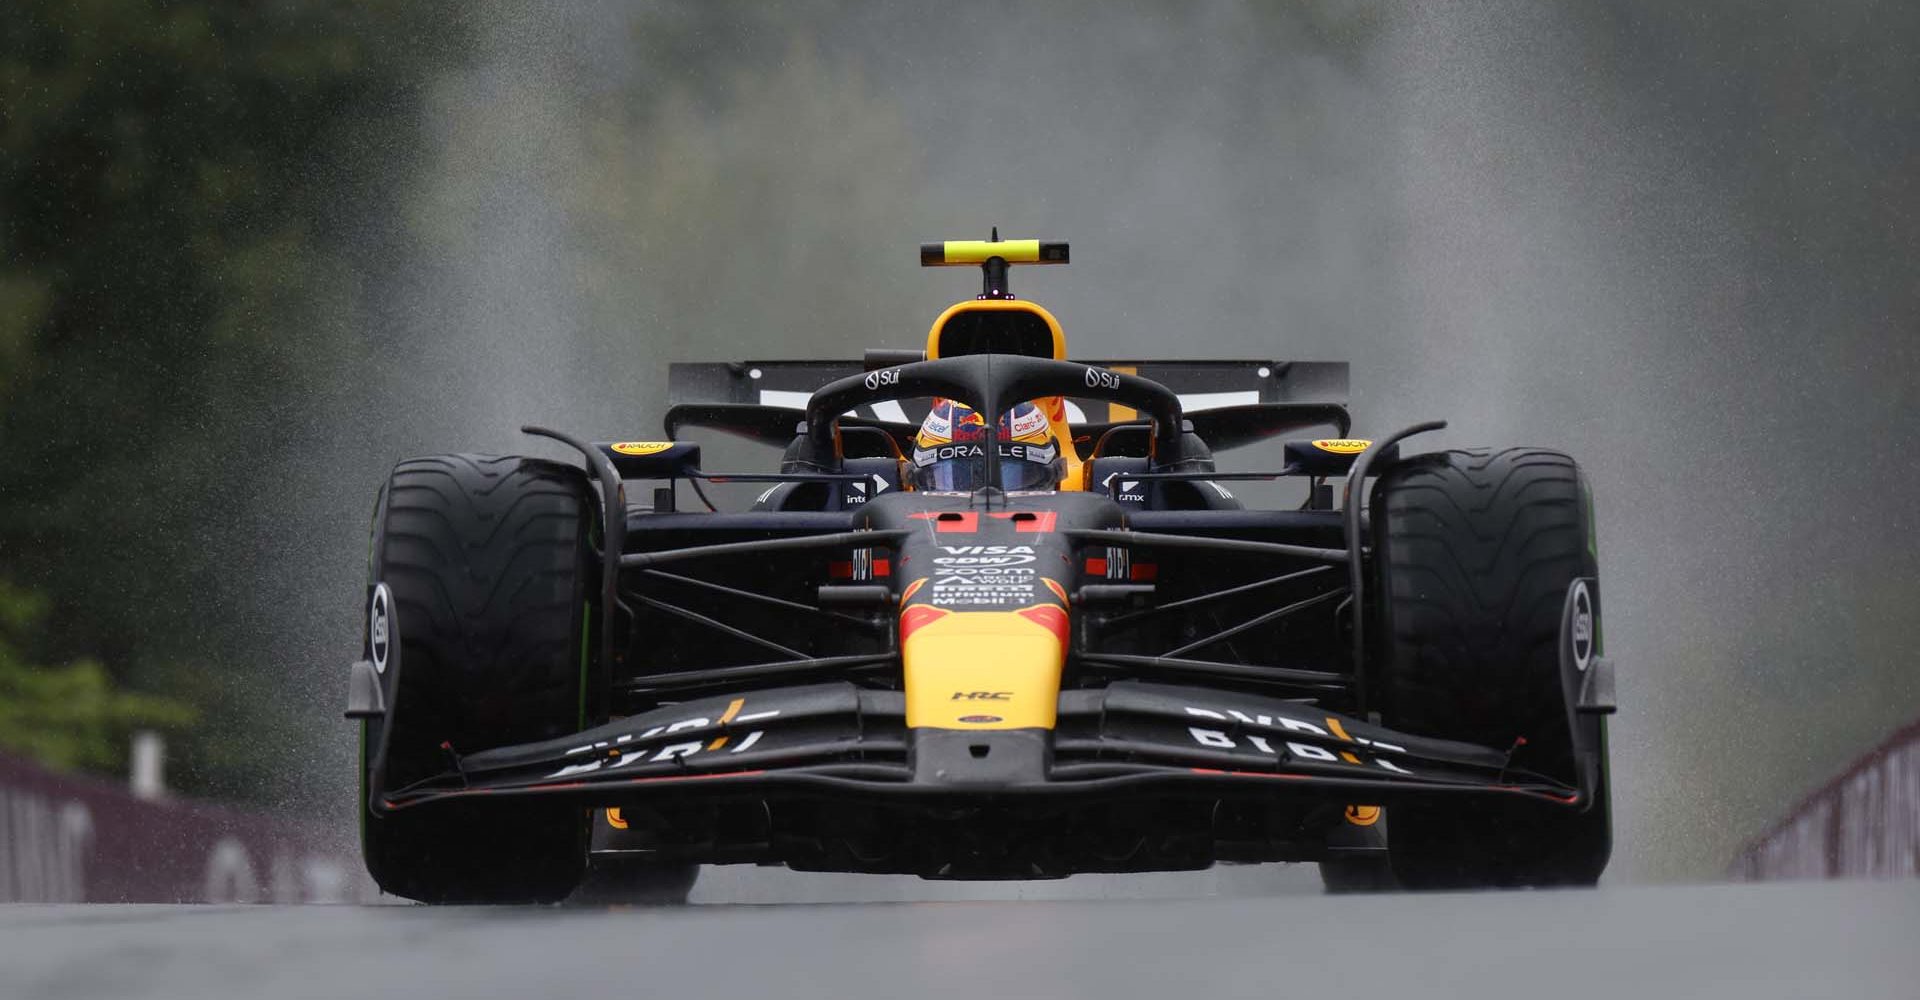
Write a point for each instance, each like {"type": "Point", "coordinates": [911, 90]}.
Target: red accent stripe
{"type": "Point", "coordinates": [1513, 789]}
{"type": "Point", "coordinates": [965, 522]}
{"type": "Point", "coordinates": [1203, 771]}
{"type": "Point", "coordinates": [917, 615]}
{"type": "Point", "coordinates": [882, 567]}
{"type": "Point", "coordinates": [1097, 566]}
{"type": "Point", "coordinates": [559, 785]}
{"type": "Point", "coordinates": [644, 781]}
{"type": "Point", "coordinates": [1252, 774]}
{"type": "Point", "coordinates": [1143, 571]}
{"type": "Point", "coordinates": [1025, 520]}
{"type": "Point", "coordinates": [693, 777]}
{"type": "Point", "coordinates": [1050, 616]}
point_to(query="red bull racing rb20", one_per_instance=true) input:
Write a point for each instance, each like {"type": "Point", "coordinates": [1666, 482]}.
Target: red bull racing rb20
{"type": "Point", "coordinates": [998, 614]}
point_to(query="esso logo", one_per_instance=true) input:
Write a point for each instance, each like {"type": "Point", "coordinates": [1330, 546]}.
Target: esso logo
{"type": "Point", "coordinates": [1100, 378]}
{"type": "Point", "coordinates": [884, 376]}
{"type": "Point", "coordinates": [380, 627]}
{"type": "Point", "coordinates": [1582, 626]}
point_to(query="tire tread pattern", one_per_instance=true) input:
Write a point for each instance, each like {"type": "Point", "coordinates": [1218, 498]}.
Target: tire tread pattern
{"type": "Point", "coordinates": [486, 559]}
{"type": "Point", "coordinates": [1476, 550]}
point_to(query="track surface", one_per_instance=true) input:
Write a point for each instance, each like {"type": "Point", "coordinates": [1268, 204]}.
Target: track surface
{"type": "Point", "coordinates": [1857, 940]}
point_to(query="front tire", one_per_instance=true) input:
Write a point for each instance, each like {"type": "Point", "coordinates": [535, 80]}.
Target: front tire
{"type": "Point", "coordinates": [1476, 551]}
{"type": "Point", "coordinates": [488, 563]}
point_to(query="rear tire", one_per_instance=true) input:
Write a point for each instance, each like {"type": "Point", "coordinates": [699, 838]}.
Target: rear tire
{"type": "Point", "coordinates": [1476, 551]}
{"type": "Point", "coordinates": [488, 563]}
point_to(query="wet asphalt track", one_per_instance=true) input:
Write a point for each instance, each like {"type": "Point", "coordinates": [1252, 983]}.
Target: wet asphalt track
{"type": "Point", "coordinates": [1852, 940]}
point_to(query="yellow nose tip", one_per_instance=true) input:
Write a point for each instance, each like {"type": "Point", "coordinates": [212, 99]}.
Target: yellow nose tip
{"type": "Point", "coordinates": [983, 670]}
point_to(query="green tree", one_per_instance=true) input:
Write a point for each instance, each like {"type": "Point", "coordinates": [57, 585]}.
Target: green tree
{"type": "Point", "coordinates": [68, 716]}
{"type": "Point", "coordinates": [180, 190]}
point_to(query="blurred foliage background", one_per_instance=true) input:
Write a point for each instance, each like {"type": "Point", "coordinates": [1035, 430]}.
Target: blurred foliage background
{"type": "Point", "coordinates": [174, 179]}
{"type": "Point", "coordinates": [252, 252]}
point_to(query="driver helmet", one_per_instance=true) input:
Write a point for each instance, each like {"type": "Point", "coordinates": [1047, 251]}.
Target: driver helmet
{"type": "Point", "coordinates": [949, 453]}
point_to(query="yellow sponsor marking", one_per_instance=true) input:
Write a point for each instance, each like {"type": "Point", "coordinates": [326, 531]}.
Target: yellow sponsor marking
{"type": "Point", "coordinates": [733, 709]}
{"type": "Point", "coordinates": [615, 820]}
{"type": "Point", "coordinates": [717, 744]}
{"type": "Point", "coordinates": [1349, 758]}
{"type": "Point", "coordinates": [642, 447]}
{"type": "Point", "coordinates": [1363, 815]}
{"type": "Point", "coordinates": [1343, 446]}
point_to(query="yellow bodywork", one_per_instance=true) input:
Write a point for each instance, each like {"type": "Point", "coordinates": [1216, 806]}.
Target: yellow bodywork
{"type": "Point", "coordinates": [1053, 406]}
{"type": "Point", "coordinates": [986, 665]}
{"type": "Point", "coordinates": [996, 305]}
{"type": "Point", "coordinates": [978, 251]}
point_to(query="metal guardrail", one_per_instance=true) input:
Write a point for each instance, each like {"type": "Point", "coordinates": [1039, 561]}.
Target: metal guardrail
{"type": "Point", "coordinates": [1865, 823]}
{"type": "Point", "coordinates": [69, 838]}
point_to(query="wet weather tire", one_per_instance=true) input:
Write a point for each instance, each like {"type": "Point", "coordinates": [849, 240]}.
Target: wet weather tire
{"type": "Point", "coordinates": [488, 563]}
{"type": "Point", "coordinates": [1476, 551]}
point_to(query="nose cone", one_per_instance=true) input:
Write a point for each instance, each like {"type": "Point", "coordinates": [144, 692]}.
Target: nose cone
{"type": "Point", "coordinates": [984, 614]}
{"type": "Point", "coordinates": [979, 670]}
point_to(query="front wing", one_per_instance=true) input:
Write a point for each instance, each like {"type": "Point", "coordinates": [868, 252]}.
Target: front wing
{"type": "Point", "coordinates": [838, 740]}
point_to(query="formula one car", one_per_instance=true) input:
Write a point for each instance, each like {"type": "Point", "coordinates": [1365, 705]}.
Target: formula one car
{"type": "Point", "coordinates": [997, 616]}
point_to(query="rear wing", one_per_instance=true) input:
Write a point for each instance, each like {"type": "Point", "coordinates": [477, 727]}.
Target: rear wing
{"type": "Point", "coordinates": [1201, 385]}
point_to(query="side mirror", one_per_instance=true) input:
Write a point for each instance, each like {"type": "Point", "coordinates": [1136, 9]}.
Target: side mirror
{"type": "Point", "coordinates": [651, 459]}
{"type": "Point", "coordinates": [1331, 456]}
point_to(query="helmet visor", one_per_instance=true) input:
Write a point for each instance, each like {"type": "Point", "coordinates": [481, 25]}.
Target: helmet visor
{"type": "Point", "coordinates": [963, 468]}
{"type": "Point", "coordinates": [1022, 474]}
{"type": "Point", "coordinates": [959, 474]}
